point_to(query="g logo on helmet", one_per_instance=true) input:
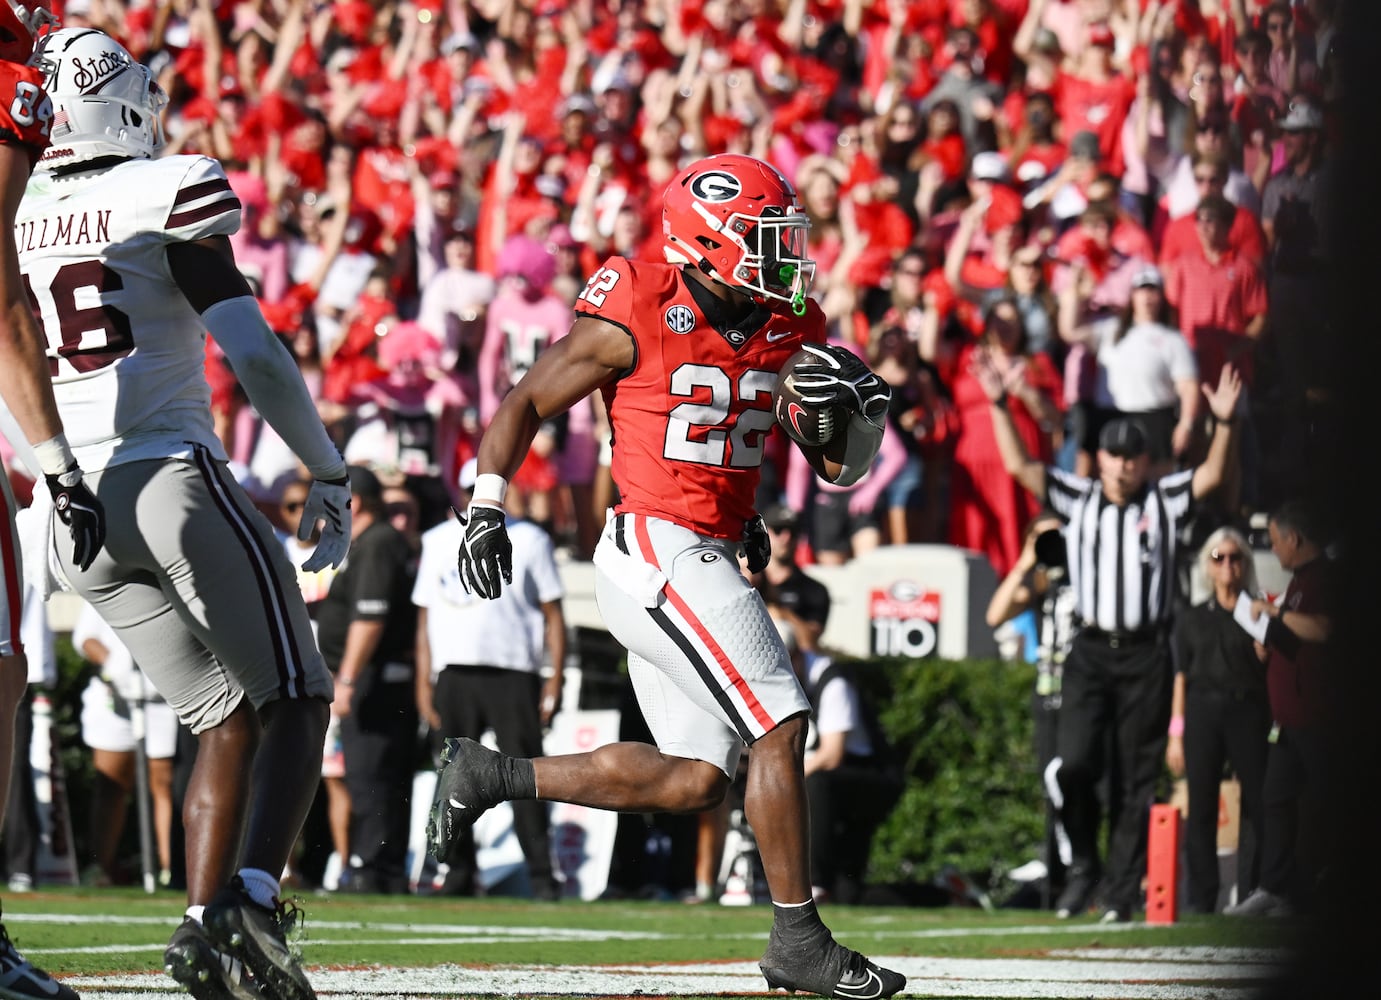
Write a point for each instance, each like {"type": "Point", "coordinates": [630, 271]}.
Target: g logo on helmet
{"type": "Point", "coordinates": [716, 186]}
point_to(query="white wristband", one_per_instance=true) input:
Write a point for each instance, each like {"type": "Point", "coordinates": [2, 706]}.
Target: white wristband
{"type": "Point", "coordinates": [55, 455]}
{"type": "Point", "coordinates": [489, 488]}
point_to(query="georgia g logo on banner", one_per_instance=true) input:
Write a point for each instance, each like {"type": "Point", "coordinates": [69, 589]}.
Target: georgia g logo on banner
{"type": "Point", "coordinates": [905, 620]}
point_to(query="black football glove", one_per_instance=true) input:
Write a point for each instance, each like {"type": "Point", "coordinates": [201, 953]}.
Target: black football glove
{"type": "Point", "coordinates": [838, 378]}
{"type": "Point", "coordinates": [486, 554]}
{"type": "Point", "coordinates": [757, 544]}
{"type": "Point", "coordinates": [81, 512]}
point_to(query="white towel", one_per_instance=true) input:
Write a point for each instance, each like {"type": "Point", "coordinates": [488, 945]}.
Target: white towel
{"type": "Point", "coordinates": [34, 525]}
{"type": "Point", "coordinates": [639, 580]}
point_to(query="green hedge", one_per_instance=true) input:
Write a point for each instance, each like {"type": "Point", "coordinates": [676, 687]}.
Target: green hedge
{"type": "Point", "coordinates": [963, 730]}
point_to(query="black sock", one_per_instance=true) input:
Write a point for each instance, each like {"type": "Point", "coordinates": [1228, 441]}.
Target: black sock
{"type": "Point", "coordinates": [519, 778]}
{"type": "Point", "coordinates": [797, 924]}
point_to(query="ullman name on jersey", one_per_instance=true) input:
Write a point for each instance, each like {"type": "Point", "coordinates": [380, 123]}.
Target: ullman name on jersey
{"type": "Point", "coordinates": [63, 230]}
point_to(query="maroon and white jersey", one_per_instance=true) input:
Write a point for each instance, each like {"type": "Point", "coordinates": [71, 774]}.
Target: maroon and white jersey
{"type": "Point", "coordinates": [127, 352]}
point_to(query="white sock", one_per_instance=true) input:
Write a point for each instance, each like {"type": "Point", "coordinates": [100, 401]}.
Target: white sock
{"type": "Point", "coordinates": [195, 912]}
{"type": "Point", "coordinates": [262, 887]}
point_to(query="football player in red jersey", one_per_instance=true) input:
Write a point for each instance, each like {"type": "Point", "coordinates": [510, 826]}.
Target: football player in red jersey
{"type": "Point", "coordinates": [686, 354]}
{"type": "Point", "coordinates": [25, 118]}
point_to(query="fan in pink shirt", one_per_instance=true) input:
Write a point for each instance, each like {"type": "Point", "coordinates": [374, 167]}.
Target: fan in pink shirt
{"type": "Point", "coordinates": [525, 319]}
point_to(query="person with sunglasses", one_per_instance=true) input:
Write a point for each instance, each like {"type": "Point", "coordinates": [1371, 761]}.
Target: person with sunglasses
{"type": "Point", "coordinates": [1220, 713]}
{"type": "Point", "coordinates": [1211, 172]}
{"type": "Point", "coordinates": [1213, 135]}
{"type": "Point", "coordinates": [1122, 532]}
{"type": "Point", "coordinates": [1300, 673]}
{"type": "Point", "coordinates": [315, 584]}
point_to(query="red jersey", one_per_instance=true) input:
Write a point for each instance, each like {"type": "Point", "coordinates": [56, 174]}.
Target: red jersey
{"type": "Point", "coordinates": [692, 416]}
{"type": "Point", "coordinates": [26, 114]}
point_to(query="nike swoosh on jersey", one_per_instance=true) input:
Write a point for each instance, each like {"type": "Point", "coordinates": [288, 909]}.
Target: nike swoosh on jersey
{"type": "Point", "coordinates": [772, 338]}
{"type": "Point", "coordinates": [870, 989]}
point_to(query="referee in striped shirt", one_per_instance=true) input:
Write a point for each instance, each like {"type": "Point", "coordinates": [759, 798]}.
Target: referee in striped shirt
{"type": "Point", "coordinates": [1120, 532]}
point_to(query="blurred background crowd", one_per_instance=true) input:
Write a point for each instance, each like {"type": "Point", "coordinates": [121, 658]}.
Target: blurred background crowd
{"type": "Point", "coordinates": [1110, 199]}
{"type": "Point", "coordinates": [427, 186]}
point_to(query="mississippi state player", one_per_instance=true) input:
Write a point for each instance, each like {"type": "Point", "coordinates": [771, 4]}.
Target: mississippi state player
{"type": "Point", "coordinates": [128, 265]}
{"type": "Point", "coordinates": [25, 118]}
{"type": "Point", "coordinates": [686, 354]}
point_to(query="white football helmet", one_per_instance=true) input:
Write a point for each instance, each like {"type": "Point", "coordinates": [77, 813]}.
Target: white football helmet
{"type": "Point", "coordinates": [104, 103]}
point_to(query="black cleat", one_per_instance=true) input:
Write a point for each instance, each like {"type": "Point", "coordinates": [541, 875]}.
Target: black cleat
{"type": "Point", "coordinates": [20, 979]}
{"type": "Point", "coordinates": [834, 971]}
{"type": "Point", "coordinates": [258, 936]}
{"type": "Point", "coordinates": [468, 782]}
{"type": "Point", "coordinates": [204, 971]}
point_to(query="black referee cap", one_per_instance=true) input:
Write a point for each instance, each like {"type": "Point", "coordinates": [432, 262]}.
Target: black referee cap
{"type": "Point", "coordinates": [1123, 437]}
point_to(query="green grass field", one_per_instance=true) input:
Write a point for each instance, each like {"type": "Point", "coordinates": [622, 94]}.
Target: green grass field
{"type": "Point", "coordinates": [110, 941]}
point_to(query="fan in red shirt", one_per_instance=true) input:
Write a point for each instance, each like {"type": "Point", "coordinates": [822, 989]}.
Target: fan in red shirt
{"type": "Point", "coordinates": [1095, 97]}
{"type": "Point", "coordinates": [1246, 238]}
{"type": "Point", "coordinates": [1221, 297]}
{"type": "Point", "coordinates": [686, 355]}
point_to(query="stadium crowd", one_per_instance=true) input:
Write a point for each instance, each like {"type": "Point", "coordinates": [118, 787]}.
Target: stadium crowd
{"type": "Point", "coordinates": [1108, 200]}
{"type": "Point", "coordinates": [428, 185]}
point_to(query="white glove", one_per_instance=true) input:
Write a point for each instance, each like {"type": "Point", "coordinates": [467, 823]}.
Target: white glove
{"type": "Point", "coordinates": [329, 503]}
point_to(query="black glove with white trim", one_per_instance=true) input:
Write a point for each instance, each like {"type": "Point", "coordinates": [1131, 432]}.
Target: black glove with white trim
{"type": "Point", "coordinates": [83, 514]}
{"type": "Point", "coordinates": [486, 554]}
{"type": "Point", "coordinates": [839, 378]}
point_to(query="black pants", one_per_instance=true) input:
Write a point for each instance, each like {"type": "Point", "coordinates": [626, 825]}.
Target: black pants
{"type": "Point", "coordinates": [379, 739]}
{"type": "Point", "coordinates": [21, 817]}
{"type": "Point", "coordinates": [1219, 728]}
{"type": "Point", "coordinates": [1122, 692]}
{"type": "Point", "coordinates": [470, 700]}
{"type": "Point", "coordinates": [847, 805]}
{"type": "Point", "coordinates": [1290, 850]}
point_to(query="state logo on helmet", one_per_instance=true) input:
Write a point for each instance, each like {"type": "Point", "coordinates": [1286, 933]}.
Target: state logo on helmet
{"type": "Point", "coordinates": [105, 104]}
{"type": "Point", "coordinates": [737, 219]}
{"type": "Point", "coordinates": [20, 24]}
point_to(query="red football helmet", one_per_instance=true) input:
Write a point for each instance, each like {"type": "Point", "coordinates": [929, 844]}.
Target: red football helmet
{"type": "Point", "coordinates": [20, 24]}
{"type": "Point", "coordinates": [737, 219]}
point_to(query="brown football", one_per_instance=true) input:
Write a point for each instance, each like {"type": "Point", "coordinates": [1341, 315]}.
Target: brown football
{"type": "Point", "coordinates": [803, 423]}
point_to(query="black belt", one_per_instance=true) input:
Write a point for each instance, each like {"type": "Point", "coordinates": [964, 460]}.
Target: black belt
{"type": "Point", "coordinates": [1116, 640]}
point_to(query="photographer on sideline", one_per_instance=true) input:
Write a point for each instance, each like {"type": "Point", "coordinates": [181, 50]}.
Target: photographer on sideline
{"type": "Point", "coordinates": [1040, 582]}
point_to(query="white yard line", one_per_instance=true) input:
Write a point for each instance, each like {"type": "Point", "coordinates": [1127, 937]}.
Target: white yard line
{"type": "Point", "coordinates": [1193, 976]}
{"type": "Point", "coordinates": [1145, 973]}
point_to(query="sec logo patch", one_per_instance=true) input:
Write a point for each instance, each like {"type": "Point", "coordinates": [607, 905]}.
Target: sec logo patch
{"type": "Point", "coordinates": [680, 319]}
